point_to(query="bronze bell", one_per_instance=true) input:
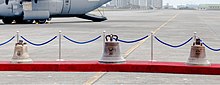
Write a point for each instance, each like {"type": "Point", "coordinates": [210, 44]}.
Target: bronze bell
{"type": "Point", "coordinates": [197, 54]}
{"type": "Point", "coordinates": [111, 53]}
{"type": "Point", "coordinates": [21, 53]}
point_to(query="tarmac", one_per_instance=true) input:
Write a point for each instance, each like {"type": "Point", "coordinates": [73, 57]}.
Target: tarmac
{"type": "Point", "coordinates": [171, 26]}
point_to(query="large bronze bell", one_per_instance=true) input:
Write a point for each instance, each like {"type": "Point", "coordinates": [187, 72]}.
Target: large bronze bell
{"type": "Point", "coordinates": [21, 53]}
{"type": "Point", "coordinates": [197, 54]}
{"type": "Point", "coordinates": [111, 53]}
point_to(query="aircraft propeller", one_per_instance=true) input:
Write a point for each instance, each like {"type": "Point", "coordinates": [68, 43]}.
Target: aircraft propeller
{"type": "Point", "coordinates": [6, 2]}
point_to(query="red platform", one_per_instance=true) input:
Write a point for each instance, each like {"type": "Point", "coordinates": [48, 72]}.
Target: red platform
{"type": "Point", "coordinates": [95, 66]}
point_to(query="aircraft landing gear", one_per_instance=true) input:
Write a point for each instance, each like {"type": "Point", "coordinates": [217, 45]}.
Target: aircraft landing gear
{"type": "Point", "coordinates": [21, 21]}
{"type": "Point", "coordinates": [43, 21]}
{"type": "Point", "coordinates": [29, 21]}
{"type": "Point", "coordinates": [7, 21]}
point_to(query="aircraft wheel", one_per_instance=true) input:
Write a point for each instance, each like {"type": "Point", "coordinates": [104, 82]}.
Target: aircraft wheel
{"type": "Point", "coordinates": [28, 21]}
{"type": "Point", "coordinates": [41, 21]}
{"type": "Point", "coordinates": [19, 21]}
{"type": "Point", "coordinates": [7, 21]}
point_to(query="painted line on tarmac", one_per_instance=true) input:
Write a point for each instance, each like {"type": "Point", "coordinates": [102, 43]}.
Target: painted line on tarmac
{"type": "Point", "coordinates": [129, 51]}
{"type": "Point", "coordinates": [93, 79]}
{"type": "Point", "coordinates": [99, 75]}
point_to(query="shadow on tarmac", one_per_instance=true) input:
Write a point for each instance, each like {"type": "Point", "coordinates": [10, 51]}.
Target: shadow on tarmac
{"type": "Point", "coordinates": [134, 21]}
{"type": "Point", "coordinates": [71, 22]}
{"type": "Point", "coordinates": [53, 22]}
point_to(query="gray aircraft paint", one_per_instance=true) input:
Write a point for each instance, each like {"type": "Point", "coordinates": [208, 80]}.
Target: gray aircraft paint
{"type": "Point", "coordinates": [10, 9]}
{"type": "Point", "coordinates": [2, 1]}
{"type": "Point", "coordinates": [53, 8]}
{"type": "Point", "coordinates": [17, 9]}
{"type": "Point", "coordinates": [66, 6]}
{"type": "Point", "coordinates": [72, 7]}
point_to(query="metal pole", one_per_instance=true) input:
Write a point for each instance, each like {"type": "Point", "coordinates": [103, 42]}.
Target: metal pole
{"type": "Point", "coordinates": [103, 36]}
{"type": "Point", "coordinates": [194, 37]}
{"type": "Point", "coordinates": [60, 59]}
{"type": "Point", "coordinates": [152, 46]}
{"type": "Point", "coordinates": [17, 36]}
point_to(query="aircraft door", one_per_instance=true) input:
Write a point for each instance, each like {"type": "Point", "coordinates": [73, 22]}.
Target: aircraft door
{"type": "Point", "coordinates": [66, 6]}
{"type": "Point", "coordinates": [17, 9]}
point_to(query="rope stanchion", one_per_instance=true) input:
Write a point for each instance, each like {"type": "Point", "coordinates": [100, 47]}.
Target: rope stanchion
{"type": "Point", "coordinates": [174, 46]}
{"type": "Point", "coordinates": [60, 46]}
{"type": "Point", "coordinates": [17, 34]}
{"type": "Point", "coordinates": [39, 44]}
{"type": "Point", "coordinates": [7, 41]}
{"type": "Point", "coordinates": [77, 42]}
{"type": "Point", "coordinates": [132, 41]}
{"type": "Point", "coordinates": [209, 47]}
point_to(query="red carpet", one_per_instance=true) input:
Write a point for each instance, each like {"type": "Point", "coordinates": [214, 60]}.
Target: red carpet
{"type": "Point", "coordinates": [95, 66]}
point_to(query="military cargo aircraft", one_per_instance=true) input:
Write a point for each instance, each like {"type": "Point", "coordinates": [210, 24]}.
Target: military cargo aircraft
{"type": "Point", "coordinates": [43, 10]}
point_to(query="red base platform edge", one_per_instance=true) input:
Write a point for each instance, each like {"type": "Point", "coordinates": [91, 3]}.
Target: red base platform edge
{"type": "Point", "coordinates": [128, 66]}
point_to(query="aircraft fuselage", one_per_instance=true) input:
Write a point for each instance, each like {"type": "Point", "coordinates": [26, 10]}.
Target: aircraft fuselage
{"type": "Point", "coordinates": [65, 7]}
{"type": "Point", "coordinates": [46, 9]}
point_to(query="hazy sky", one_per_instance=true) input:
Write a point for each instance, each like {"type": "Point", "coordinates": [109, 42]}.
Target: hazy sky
{"type": "Point", "coordinates": [179, 2]}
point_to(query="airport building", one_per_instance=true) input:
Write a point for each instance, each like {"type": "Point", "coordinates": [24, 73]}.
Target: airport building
{"type": "Point", "coordinates": [135, 2]}
{"type": "Point", "coordinates": [154, 4]}
{"type": "Point", "coordinates": [209, 7]}
{"type": "Point", "coordinates": [119, 3]}
{"type": "Point", "coordinates": [168, 6]}
{"type": "Point", "coordinates": [187, 7]}
{"type": "Point", "coordinates": [143, 4]}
